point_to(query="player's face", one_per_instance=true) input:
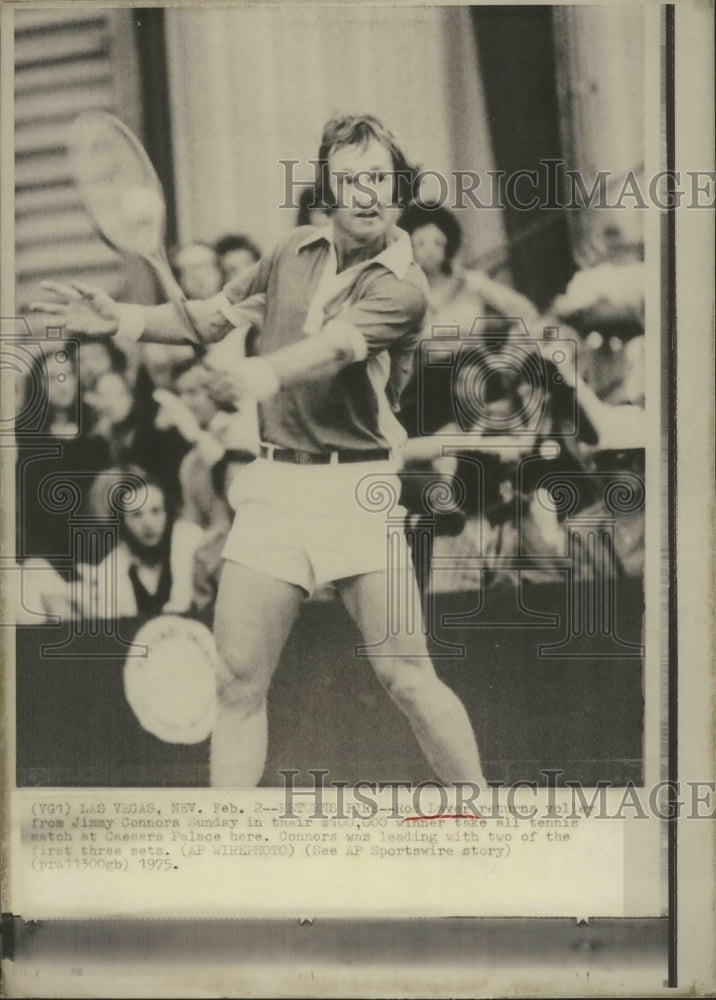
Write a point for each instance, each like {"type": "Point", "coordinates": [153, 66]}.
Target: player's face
{"type": "Point", "coordinates": [429, 244]}
{"type": "Point", "coordinates": [147, 525]}
{"type": "Point", "coordinates": [362, 180]}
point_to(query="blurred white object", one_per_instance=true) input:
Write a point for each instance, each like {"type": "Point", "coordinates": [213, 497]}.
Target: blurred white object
{"type": "Point", "coordinates": [620, 287]}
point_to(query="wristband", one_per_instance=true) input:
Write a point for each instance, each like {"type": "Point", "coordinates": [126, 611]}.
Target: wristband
{"type": "Point", "coordinates": [132, 320]}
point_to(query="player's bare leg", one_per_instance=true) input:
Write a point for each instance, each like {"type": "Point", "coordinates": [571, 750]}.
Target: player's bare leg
{"type": "Point", "coordinates": [436, 714]}
{"type": "Point", "coordinates": [253, 618]}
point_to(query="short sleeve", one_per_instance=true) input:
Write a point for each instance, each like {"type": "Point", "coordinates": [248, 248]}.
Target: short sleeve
{"type": "Point", "coordinates": [253, 281]}
{"type": "Point", "coordinates": [389, 315]}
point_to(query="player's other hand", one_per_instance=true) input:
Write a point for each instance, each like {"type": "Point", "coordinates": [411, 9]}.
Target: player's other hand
{"type": "Point", "coordinates": [244, 379]}
{"type": "Point", "coordinates": [80, 308]}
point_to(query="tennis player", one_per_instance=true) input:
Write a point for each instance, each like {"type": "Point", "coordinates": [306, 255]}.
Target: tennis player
{"type": "Point", "coordinates": [342, 308]}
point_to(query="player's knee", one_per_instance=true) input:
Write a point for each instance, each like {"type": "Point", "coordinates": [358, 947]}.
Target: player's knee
{"type": "Point", "coordinates": [241, 693]}
{"type": "Point", "coordinates": [239, 683]}
{"type": "Point", "coordinates": [407, 680]}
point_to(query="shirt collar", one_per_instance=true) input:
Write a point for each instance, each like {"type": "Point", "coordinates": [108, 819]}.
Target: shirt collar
{"type": "Point", "coordinates": [397, 255]}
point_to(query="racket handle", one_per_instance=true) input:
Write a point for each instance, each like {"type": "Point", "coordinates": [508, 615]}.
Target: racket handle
{"type": "Point", "coordinates": [180, 305]}
{"type": "Point", "coordinates": [175, 295]}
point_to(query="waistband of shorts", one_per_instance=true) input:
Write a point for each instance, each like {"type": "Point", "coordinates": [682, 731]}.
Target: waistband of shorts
{"type": "Point", "coordinates": [297, 457]}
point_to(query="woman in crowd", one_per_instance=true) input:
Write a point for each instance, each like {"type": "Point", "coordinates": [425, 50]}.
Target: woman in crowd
{"type": "Point", "coordinates": [56, 458]}
{"type": "Point", "coordinates": [460, 301]}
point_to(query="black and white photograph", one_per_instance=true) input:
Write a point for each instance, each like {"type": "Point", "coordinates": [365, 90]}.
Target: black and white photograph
{"type": "Point", "coordinates": [339, 443]}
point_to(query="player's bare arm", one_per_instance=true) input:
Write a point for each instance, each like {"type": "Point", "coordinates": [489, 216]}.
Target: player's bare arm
{"type": "Point", "coordinates": [86, 310]}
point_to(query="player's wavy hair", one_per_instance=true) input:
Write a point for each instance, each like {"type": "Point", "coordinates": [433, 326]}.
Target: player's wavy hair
{"type": "Point", "coordinates": [358, 130]}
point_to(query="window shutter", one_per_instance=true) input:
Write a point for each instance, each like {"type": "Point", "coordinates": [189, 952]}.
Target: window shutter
{"type": "Point", "coordinates": [67, 60]}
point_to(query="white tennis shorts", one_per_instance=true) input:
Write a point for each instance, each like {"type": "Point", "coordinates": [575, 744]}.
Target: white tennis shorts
{"type": "Point", "coordinates": [313, 524]}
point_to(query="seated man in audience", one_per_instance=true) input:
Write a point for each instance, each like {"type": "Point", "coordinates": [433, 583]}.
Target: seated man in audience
{"type": "Point", "coordinates": [236, 254]}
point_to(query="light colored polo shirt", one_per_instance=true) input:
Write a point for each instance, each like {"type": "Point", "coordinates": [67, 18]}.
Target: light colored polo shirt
{"type": "Point", "coordinates": [383, 298]}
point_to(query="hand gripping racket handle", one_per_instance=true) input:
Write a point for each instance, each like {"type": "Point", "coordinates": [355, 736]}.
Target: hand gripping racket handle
{"type": "Point", "coordinates": [176, 296]}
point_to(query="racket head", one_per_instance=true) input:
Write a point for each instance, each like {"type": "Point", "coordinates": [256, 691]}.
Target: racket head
{"type": "Point", "coordinates": [172, 690]}
{"type": "Point", "coordinates": [117, 183]}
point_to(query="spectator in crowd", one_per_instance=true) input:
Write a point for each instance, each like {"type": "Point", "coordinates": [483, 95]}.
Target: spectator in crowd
{"type": "Point", "coordinates": [608, 301]}
{"type": "Point", "coordinates": [153, 560]}
{"type": "Point", "coordinates": [605, 305]}
{"type": "Point", "coordinates": [436, 237]}
{"type": "Point", "coordinates": [197, 270]}
{"type": "Point", "coordinates": [235, 253]}
{"type": "Point", "coordinates": [111, 401]}
{"type": "Point", "coordinates": [52, 481]}
{"type": "Point", "coordinates": [190, 410]}
{"type": "Point", "coordinates": [125, 431]}
{"type": "Point", "coordinates": [458, 300]}
{"type": "Point", "coordinates": [221, 443]}
{"type": "Point", "coordinates": [516, 428]}
{"type": "Point", "coordinates": [98, 355]}
{"type": "Point", "coordinates": [504, 414]}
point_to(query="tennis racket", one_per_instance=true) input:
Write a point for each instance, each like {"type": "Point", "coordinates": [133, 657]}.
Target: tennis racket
{"type": "Point", "coordinates": [122, 193]}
